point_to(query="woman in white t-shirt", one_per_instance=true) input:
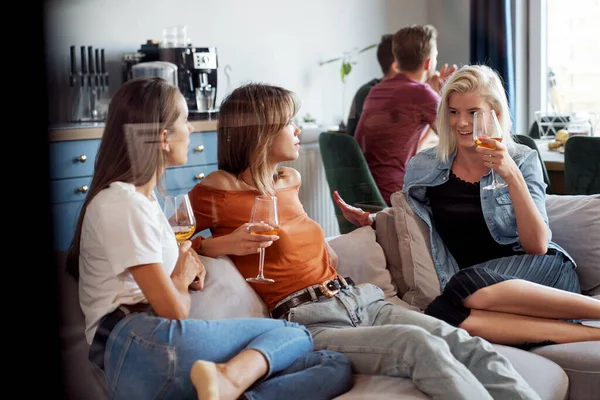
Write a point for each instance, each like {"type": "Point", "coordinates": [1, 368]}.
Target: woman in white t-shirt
{"type": "Point", "coordinates": [134, 280]}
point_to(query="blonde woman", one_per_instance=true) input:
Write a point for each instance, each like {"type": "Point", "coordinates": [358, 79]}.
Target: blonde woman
{"type": "Point", "coordinates": [502, 277]}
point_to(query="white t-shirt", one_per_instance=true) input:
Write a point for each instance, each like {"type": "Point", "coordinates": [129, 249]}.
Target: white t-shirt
{"type": "Point", "coordinates": [122, 228]}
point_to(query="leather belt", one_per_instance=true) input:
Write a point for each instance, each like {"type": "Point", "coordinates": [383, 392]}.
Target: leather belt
{"type": "Point", "coordinates": [106, 325]}
{"type": "Point", "coordinates": [327, 289]}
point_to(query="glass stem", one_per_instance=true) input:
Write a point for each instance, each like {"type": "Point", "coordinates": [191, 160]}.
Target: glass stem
{"type": "Point", "coordinates": [261, 261]}
{"type": "Point", "coordinates": [494, 181]}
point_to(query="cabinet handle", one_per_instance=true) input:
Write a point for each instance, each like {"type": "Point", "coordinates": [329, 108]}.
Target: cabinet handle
{"type": "Point", "coordinates": [199, 149]}
{"type": "Point", "coordinates": [82, 158]}
{"type": "Point", "coordinates": [83, 189]}
{"type": "Point", "coordinates": [199, 176]}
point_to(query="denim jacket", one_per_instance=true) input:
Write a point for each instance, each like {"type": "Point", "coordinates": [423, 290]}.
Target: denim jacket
{"type": "Point", "coordinates": [425, 170]}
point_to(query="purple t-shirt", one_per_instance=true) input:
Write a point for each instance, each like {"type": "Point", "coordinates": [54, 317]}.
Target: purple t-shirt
{"type": "Point", "coordinates": [396, 115]}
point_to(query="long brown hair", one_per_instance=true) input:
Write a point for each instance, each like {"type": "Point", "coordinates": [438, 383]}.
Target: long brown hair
{"type": "Point", "coordinates": [250, 118]}
{"type": "Point", "coordinates": [130, 149]}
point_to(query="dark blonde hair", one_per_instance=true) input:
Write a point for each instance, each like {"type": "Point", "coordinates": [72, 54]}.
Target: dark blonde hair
{"type": "Point", "coordinates": [249, 120]}
{"type": "Point", "coordinates": [130, 149]}
{"type": "Point", "coordinates": [412, 45]}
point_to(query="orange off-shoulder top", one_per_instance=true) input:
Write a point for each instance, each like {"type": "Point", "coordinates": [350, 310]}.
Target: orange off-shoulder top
{"type": "Point", "coordinates": [298, 259]}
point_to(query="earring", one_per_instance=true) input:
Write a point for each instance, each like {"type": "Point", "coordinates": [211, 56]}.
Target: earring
{"type": "Point", "coordinates": [167, 148]}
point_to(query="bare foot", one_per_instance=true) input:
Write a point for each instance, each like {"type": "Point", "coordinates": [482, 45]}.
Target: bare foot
{"type": "Point", "coordinates": [212, 382]}
{"type": "Point", "coordinates": [206, 380]}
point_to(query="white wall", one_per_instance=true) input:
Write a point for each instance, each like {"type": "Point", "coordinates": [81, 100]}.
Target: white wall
{"type": "Point", "coordinates": [274, 41]}
{"type": "Point", "coordinates": [451, 19]}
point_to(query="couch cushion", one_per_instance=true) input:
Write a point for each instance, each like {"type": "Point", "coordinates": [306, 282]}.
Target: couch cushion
{"type": "Point", "coordinates": [544, 376]}
{"type": "Point", "coordinates": [581, 362]}
{"type": "Point", "coordinates": [418, 270]}
{"type": "Point", "coordinates": [388, 240]}
{"type": "Point", "coordinates": [82, 379]}
{"type": "Point", "coordinates": [575, 225]}
{"type": "Point", "coordinates": [361, 258]}
{"type": "Point", "coordinates": [382, 388]}
{"type": "Point", "coordinates": [226, 293]}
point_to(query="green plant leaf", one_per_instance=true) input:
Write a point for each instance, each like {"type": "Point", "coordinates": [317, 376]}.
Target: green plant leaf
{"type": "Point", "coordinates": [369, 47]}
{"type": "Point", "coordinates": [330, 61]}
{"type": "Point", "coordinates": [345, 70]}
{"type": "Point", "coordinates": [347, 61]}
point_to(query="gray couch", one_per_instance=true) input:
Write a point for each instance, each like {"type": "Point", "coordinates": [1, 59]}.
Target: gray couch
{"type": "Point", "coordinates": [568, 371]}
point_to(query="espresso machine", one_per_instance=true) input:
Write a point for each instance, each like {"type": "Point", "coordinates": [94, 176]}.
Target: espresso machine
{"type": "Point", "coordinates": [196, 73]}
{"type": "Point", "coordinates": [196, 76]}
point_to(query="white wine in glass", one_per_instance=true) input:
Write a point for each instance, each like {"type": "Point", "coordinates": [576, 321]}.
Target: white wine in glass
{"type": "Point", "coordinates": [264, 212]}
{"type": "Point", "coordinates": [179, 212]}
{"type": "Point", "coordinates": [486, 125]}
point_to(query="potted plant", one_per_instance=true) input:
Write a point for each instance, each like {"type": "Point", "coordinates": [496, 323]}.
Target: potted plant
{"type": "Point", "coordinates": [348, 60]}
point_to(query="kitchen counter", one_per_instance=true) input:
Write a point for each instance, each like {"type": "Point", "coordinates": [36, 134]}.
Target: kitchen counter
{"type": "Point", "coordinates": [94, 130]}
{"type": "Point", "coordinates": [554, 159]}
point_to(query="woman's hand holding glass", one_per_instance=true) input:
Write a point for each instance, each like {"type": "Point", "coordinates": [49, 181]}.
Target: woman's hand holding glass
{"type": "Point", "coordinates": [178, 211]}
{"type": "Point", "coordinates": [354, 215]}
{"type": "Point", "coordinates": [487, 135]}
{"type": "Point", "coordinates": [242, 241]}
{"type": "Point", "coordinates": [495, 156]}
{"type": "Point", "coordinates": [189, 268]}
{"type": "Point", "coordinates": [264, 220]}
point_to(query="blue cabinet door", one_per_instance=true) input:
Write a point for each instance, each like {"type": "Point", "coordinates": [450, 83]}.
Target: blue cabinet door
{"type": "Point", "coordinates": [186, 177]}
{"type": "Point", "coordinates": [203, 148]}
{"type": "Point", "coordinates": [66, 190]}
{"type": "Point", "coordinates": [72, 159]}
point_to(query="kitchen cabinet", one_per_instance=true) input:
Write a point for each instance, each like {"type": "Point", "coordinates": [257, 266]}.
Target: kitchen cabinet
{"type": "Point", "coordinates": [72, 158]}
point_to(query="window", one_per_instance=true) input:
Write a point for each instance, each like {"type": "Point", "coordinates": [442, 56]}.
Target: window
{"type": "Point", "coordinates": [573, 62]}
{"type": "Point", "coordinates": [562, 53]}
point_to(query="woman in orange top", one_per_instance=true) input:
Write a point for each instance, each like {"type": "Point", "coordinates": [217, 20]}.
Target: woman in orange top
{"type": "Point", "coordinates": [255, 134]}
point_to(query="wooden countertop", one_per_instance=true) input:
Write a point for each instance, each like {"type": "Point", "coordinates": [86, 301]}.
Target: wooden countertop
{"type": "Point", "coordinates": [94, 130]}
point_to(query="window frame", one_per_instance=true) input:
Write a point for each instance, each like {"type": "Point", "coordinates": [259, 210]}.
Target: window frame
{"type": "Point", "coordinates": [537, 63]}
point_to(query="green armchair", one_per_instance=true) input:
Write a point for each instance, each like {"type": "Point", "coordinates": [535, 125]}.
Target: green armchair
{"type": "Point", "coordinates": [347, 172]}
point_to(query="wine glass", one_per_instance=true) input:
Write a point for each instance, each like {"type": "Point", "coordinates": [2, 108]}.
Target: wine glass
{"type": "Point", "coordinates": [264, 212]}
{"type": "Point", "coordinates": [486, 125]}
{"type": "Point", "coordinates": [179, 213]}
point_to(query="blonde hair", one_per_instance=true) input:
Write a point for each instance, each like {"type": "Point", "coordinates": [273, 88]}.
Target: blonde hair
{"type": "Point", "coordinates": [249, 120]}
{"type": "Point", "coordinates": [487, 83]}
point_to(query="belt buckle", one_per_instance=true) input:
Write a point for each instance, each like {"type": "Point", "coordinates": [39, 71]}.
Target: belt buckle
{"type": "Point", "coordinates": [330, 288]}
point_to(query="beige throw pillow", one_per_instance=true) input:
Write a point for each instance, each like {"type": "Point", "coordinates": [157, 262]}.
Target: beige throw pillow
{"type": "Point", "coordinates": [418, 271]}
{"type": "Point", "coordinates": [388, 240]}
{"type": "Point", "coordinates": [361, 258]}
{"type": "Point", "coordinates": [226, 293]}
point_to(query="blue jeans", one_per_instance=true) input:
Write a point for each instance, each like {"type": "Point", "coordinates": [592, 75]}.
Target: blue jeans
{"type": "Point", "coordinates": [149, 357]}
{"type": "Point", "coordinates": [381, 338]}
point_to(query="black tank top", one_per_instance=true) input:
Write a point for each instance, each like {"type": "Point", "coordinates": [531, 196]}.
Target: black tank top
{"type": "Point", "coordinates": [458, 218]}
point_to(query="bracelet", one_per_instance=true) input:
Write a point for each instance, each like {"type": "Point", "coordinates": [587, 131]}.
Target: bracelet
{"type": "Point", "coordinates": [366, 219]}
{"type": "Point", "coordinates": [373, 218]}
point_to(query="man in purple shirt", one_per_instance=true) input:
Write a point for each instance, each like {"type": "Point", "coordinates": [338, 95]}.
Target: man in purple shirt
{"type": "Point", "coordinates": [399, 111]}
